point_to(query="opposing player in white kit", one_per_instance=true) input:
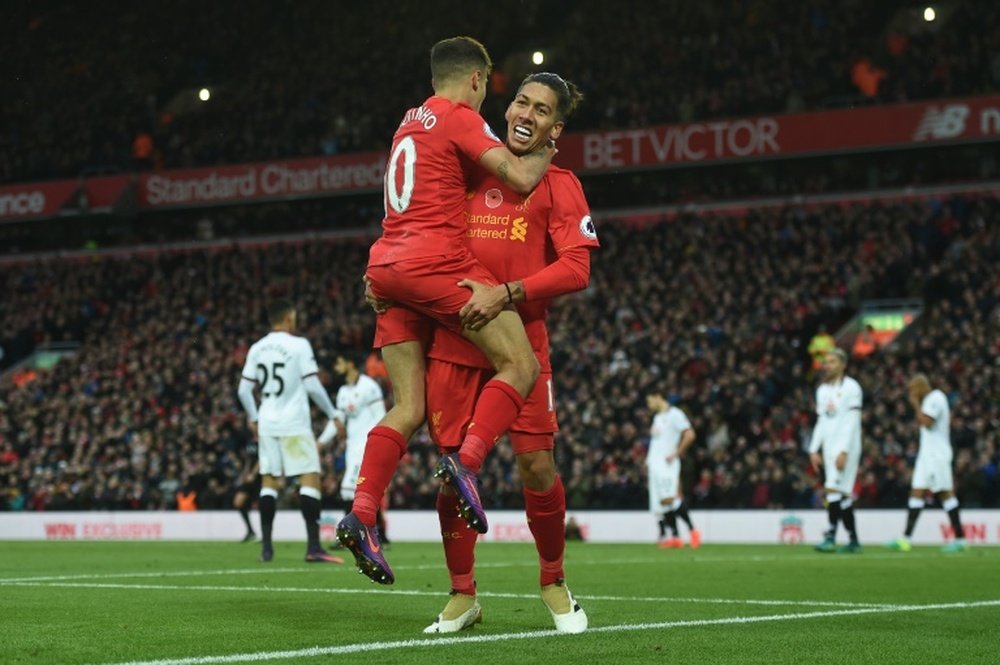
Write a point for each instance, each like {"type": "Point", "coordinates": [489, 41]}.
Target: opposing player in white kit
{"type": "Point", "coordinates": [671, 435]}
{"type": "Point", "coordinates": [838, 434]}
{"type": "Point", "coordinates": [932, 470]}
{"type": "Point", "coordinates": [284, 367]}
{"type": "Point", "coordinates": [360, 406]}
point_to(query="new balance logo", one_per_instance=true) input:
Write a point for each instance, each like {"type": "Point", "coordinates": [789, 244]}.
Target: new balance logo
{"type": "Point", "coordinates": [519, 229]}
{"type": "Point", "coordinates": [944, 123]}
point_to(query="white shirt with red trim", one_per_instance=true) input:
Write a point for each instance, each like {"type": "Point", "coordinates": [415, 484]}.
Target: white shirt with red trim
{"type": "Point", "coordinates": [278, 363]}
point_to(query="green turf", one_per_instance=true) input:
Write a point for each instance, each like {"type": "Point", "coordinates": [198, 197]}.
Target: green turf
{"type": "Point", "coordinates": [122, 602]}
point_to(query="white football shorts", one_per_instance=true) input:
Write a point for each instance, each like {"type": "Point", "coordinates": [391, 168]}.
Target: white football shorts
{"type": "Point", "coordinates": [664, 485]}
{"type": "Point", "coordinates": [352, 469]}
{"type": "Point", "coordinates": [932, 474]}
{"type": "Point", "coordinates": [288, 456]}
{"type": "Point", "coordinates": [841, 481]}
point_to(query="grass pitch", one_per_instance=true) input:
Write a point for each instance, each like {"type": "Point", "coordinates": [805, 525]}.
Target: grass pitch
{"type": "Point", "coordinates": [100, 603]}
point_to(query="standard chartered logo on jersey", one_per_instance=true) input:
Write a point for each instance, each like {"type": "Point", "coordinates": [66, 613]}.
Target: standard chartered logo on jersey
{"type": "Point", "coordinates": [496, 227]}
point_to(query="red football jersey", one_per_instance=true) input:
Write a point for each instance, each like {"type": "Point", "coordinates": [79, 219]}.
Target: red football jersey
{"type": "Point", "coordinates": [434, 153]}
{"type": "Point", "coordinates": [514, 237]}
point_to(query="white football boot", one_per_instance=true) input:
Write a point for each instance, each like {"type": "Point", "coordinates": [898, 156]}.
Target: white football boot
{"type": "Point", "coordinates": [566, 612]}
{"type": "Point", "coordinates": [461, 612]}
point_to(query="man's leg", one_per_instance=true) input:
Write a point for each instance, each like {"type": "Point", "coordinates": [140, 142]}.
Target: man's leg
{"type": "Point", "coordinates": [268, 505]}
{"type": "Point", "coordinates": [241, 501]}
{"type": "Point", "coordinates": [680, 510]}
{"type": "Point", "coordinates": [387, 441]}
{"type": "Point", "coordinates": [451, 393]}
{"type": "Point", "coordinates": [459, 540]}
{"type": "Point", "coordinates": [845, 485]}
{"type": "Point", "coordinates": [950, 504]}
{"type": "Point", "coordinates": [670, 488]}
{"type": "Point", "coordinates": [545, 508]}
{"type": "Point", "coordinates": [914, 505]}
{"type": "Point", "coordinates": [833, 499]}
{"type": "Point", "coordinates": [847, 517]}
{"type": "Point", "coordinates": [504, 342]}
{"type": "Point", "coordinates": [385, 446]}
{"type": "Point", "coordinates": [311, 505]}
{"type": "Point", "coordinates": [670, 517]}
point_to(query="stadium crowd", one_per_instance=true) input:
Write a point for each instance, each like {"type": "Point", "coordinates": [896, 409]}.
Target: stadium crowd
{"type": "Point", "coordinates": [715, 311]}
{"type": "Point", "coordinates": [118, 89]}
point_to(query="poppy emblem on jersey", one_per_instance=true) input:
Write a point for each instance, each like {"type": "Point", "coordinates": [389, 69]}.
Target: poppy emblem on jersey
{"type": "Point", "coordinates": [494, 197]}
{"type": "Point", "coordinates": [587, 228]}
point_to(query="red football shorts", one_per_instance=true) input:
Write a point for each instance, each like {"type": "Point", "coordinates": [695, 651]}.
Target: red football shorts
{"type": "Point", "coordinates": [451, 398]}
{"type": "Point", "coordinates": [428, 286]}
{"type": "Point", "coordinates": [401, 324]}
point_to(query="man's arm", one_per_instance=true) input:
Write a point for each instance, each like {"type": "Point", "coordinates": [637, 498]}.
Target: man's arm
{"type": "Point", "coordinates": [567, 274]}
{"type": "Point", "coordinates": [815, 443]}
{"type": "Point", "coordinates": [245, 393]}
{"type": "Point", "coordinates": [687, 438]}
{"type": "Point", "coordinates": [522, 174]}
{"type": "Point", "coordinates": [923, 419]}
{"type": "Point", "coordinates": [317, 393]}
{"type": "Point", "coordinates": [334, 428]}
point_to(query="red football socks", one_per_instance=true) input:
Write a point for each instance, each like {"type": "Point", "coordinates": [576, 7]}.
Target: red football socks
{"type": "Point", "coordinates": [383, 450]}
{"type": "Point", "coordinates": [496, 408]}
{"type": "Point", "coordinates": [546, 513]}
{"type": "Point", "coordinates": [459, 545]}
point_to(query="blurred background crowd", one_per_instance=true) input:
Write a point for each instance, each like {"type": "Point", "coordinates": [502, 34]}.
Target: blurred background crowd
{"type": "Point", "coordinates": [118, 89]}
{"type": "Point", "coordinates": [715, 310]}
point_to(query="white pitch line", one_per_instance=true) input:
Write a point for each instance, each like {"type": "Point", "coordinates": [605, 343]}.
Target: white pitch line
{"type": "Point", "coordinates": [172, 573]}
{"type": "Point", "coordinates": [441, 594]}
{"type": "Point", "coordinates": [440, 566]}
{"type": "Point", "coordinates": [504, 637]}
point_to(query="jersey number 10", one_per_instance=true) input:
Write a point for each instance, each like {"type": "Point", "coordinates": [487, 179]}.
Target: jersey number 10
{"type": "Point", "coordinates": [400, 200]}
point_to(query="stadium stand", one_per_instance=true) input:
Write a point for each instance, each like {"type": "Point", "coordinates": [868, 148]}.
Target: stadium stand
{"type": "Point", "coordinates": [719, 319]}
{"type": "Point", "coordinates": [114, 96]}
{"type": "Point", "coordinates": [716, 308]}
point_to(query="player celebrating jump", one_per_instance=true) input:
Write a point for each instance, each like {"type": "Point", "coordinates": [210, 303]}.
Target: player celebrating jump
{"type": "Point", "coordinates": [418, 263]}
{"type": "Point", "coordinates": [540, 245]}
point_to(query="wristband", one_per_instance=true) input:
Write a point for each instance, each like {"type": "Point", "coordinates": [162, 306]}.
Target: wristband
{"type": "Point", "coordinates": [510, 296]}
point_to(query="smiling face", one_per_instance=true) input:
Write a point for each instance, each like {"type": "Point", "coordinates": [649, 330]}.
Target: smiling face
{"type": "Point", "coordinates": [532, 118]}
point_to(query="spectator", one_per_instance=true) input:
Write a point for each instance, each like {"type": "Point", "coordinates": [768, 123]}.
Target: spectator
{"type": "Point", "coordinates": [725, 327]}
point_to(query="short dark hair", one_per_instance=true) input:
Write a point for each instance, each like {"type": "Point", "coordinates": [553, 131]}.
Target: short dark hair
{"type": "Point", "coordinates": [457, 56]}
{"type": "Point", "coordinates": [277, 309]}
{"type": "Point", "coordinates": [353, 356]}
{"type": "Point", "coordinates": [840, 353]}
{"type": "Point", "coordinates": [568, 96]}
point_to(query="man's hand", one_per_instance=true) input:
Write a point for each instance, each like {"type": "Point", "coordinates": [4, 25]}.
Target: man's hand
{"type": "Point", "coordinates": [374, 301]}
{"type": "Point", "coordinates": [484, 305]}
{"type": "Point", "coordinates": [841, 461]}
{"type": "Point", "coordinates": [252, 426]}
{"type": "Point", "coordinates": [816, 461]}
{"type": "Point", "coordinates": [671, 457]}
